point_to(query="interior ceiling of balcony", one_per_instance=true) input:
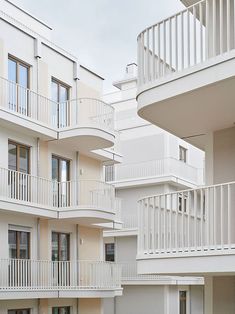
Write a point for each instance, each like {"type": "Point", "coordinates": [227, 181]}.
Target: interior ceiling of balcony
{"type": "Point", "coordinates": [193, 114]}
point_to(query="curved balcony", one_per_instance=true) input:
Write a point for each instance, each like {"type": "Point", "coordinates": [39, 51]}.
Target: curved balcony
{"type": "Point", "coordinates": [50, 279]}
{"type": "Point", "coordinates": [86, 124]}
{"type": "Point", "coordinates": [153, 171]}
{"type": "Point", "coordinates": [188, 232]}
{"type": "Point", "coordinates": [88, 201]}
{"type": "Point", "coordinates": [186, 70]}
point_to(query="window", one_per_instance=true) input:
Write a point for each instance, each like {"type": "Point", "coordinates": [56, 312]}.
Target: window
{"type": "Point", "coordinates": [182, 154]}
{"type": "Point", "coordinates": [60, 95]}
{"type": "Point", "coordinates": [19, 244]}
{"type": "Point", "coordinates": [183, 202]}
{"type": "Point", "coordinates": [21, 311]}
{"type": "Point", "coordinates": [61, 310]}
{"type": "Point", "coordinates": [109, 252]}
{"type": "Point", "coordinates": [182, 302]}
{"type": "Point", "coordinates": [18, 157]}
{"type": "Point", "coordinates": [61, 173]}
{"type": "Point", "coordinates": [18, 75]}
{"type": "Point", "coordinates": [60, 246]}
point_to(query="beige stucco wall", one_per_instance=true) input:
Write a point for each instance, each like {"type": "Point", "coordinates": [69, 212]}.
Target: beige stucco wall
{"type": "Point", "coordinates": [90, 306]}
{"type": "Point", "coordinates": [90, 169]}
{"type": "Point", "coordinates": [90, 243]}
{"type": "Point", "coordinates": [224, 155]}
{"type": "Point", "coordinates": [224, 295]}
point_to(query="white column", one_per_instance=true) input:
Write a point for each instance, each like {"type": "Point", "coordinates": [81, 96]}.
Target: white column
{"type": "Point", "coordinates": [208, 295]}
{"type": "Point", "coordinates": [209, 159]}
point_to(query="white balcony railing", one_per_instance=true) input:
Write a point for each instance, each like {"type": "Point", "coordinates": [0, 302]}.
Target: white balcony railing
{"type": "Point", "coordinates": [188, 38]}
{"type": "Point", "coordinates": [192, 222]}
{"type": "Point", "coordinates": [129, 219]}
{"type": "Point", "coordinates": [86, 112]}
{"type": "Point", "coordinates": [72, 113]}
{"type": "Point", "coordinates": [154, 168]}
{"type": "Point", "coordinates": [25, 188]}
{"type": "Point", "coordinates": [22, 274]}
{"type": "Point", "coordinates": [23, 101]}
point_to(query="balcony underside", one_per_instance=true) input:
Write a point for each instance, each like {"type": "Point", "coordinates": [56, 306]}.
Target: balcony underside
{"type": "Point", "coordinates": [85, 139]}
{"type": "Point", "coordinates": [23, 124]}
{"type": "Point", "coordinates": [69, 293]}
{"type": "Point", "coordinates": [205, 92]}
{"type": "Point", "coordinates": [189, 264]}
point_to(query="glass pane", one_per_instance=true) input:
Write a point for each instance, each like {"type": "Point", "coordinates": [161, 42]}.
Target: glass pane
{"type": "Point", "coordinates": [12, 156]}
{"type": "Point", "coordinates": [109, 252]}
{"type": "Point", "coordinates": [65, 310]}
{"type": "Point", "coordinates": [63, 97]}
{"type": "Point", "coordinates": [24, 311]}
{"type": "Point", "coordinates": [55, 310]}
{"type": "Point", "coordinates": [24, 160]}
{"type": "Point", "coordinates": [24, 244]}
{"type": "Point", "coordinates": [12, 244]}
{"type": "Point", "coordinates": [23, 76]}
{"type": "Point", "coordinates": [55, 169]}
{"type": "Point", "coordinates": [183, 302]}
{"type": "Point", "coordinates": [22, 90]}
{"type": "Point", "coordinates": [55, 246]}
{"type": "Point", "coordinates": [55, 98]}
{"type": "Point", "coordinates": [64, 247]}
{"type": "Point", "coordinates": [64, 168]}
{"type": "Point", "coordinates": [12, 70]}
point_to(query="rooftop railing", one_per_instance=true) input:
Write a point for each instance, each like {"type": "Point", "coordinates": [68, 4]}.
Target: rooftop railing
{"type": "Point", "coordinates": [188, 38]}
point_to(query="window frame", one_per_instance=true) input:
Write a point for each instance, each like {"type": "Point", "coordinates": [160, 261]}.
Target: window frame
{"type": "Point", "coordinates": [19, 230]}
{"type": "Point", "coordinates": [183, 154]}
{"type": "Point", "coordinates": [22, 63]}
{"type": "Point", "coordinates": [105, 252]}
{"type": "Point", "coordinates": [17, 311]}
{"type": "Point", "coordinates": [18, 146]}
{"type": "Point", "coordinates": [60, 308]}
{"type": "Point", "coordinates": [59, 233]}
{"type": "Point", "coordinates": [187, 298]}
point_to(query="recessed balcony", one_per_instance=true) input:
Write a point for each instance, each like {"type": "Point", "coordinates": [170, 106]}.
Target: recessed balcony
{"type": "Point", "coordinates": [87, 201]}
{"type": "Point", "coordinates": [82, 124]}
{"type": "Point", "coordinates": [153, 171]}
{"type": "Point", "coordinates": [188, 232]}
{"type": "Point", "coordinates": [186, 67]}
{"type": "Point", "coordinates": [26, 279]}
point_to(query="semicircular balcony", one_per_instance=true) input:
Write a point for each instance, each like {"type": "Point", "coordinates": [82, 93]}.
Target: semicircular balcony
{"type": "Point", "coordinates": [188, 232]}
{"type": "Point", "coordinates": [186, 71]}
{"type": "Point", "coordinates": [89, 202]}
{"type": "Point", "coordinates": [86, 124]}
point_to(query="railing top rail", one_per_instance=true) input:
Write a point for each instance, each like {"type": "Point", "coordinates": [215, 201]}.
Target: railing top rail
{"type": "Point", "coordinates": [90, 99]}
{"type": "Point", "coordinates": [187, 190]}
{"type": "Point", "coordinates": [50, 261]}
{"type": "Point", "coordinates": [171, 17]}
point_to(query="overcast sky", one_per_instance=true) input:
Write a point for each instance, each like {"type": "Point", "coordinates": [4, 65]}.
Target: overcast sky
{"type": "Point", "coordinates": [101, 33]}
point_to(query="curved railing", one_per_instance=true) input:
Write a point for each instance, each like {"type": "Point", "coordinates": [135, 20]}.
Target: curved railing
{"type": "Point", "coordinates": [154, 168]}
{"type": "Point", "coordinates": [27, 274]}
{"type": "Point", "coordinates": [190, 37]}
{"type": "Point", "coordinates": [86, 112]}
{"type": "Point", "coordinates": [198, 221]}
{"type": "Point", "coordinates": [81, 194]}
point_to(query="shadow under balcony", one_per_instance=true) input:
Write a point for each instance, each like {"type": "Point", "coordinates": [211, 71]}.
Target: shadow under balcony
{"type": "Point", "coordinates": [26, 279]}
{"type": "Point", "coordinates": [188, 232]}
{"type": "Point", "coordinates": [87, 202]}
{"type": "Point", "coordinates": [187, 71]}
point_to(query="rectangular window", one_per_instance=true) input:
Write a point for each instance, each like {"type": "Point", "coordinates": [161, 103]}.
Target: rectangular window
{"type": "Point", "coordinates": [60, 95]}
{"type": "Point", "coordinates": [19, 311]}
{"type": "Point", "coordinates": [61, 310]}
{"type": "Point", "coordinates": [18, 157]}
{"type": "Point", "coordinates": [19, 242]}
{"type": "Point", "coordinates": [183, 154]}
{"type": "Point", "coordinates": [182, 302]}
{"type": "Point", "coordinates": [60, 246]}
{"type": "Point", "coordinates": [183, 203]}
{"type": "Point", "coordinates": [109, 252]}
{"type": "Point", "coordinates": [18, 75]}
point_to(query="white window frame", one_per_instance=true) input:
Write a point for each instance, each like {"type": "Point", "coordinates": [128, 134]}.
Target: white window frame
{"type": "Point", "coordinates": [183, 153]}
{"type": "Point", "coordinates": [187, 290]}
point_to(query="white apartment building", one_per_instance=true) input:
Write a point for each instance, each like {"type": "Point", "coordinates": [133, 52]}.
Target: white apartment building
{"type": "Point", "coordinates": [55, 133]}
{"type": "Point", "coordinates": [154, 161]}
{"type": "Point", "coordinates": [186, 86]}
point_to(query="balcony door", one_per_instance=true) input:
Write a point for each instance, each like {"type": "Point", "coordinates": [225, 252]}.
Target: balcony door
{"type": "Point", "coordinates": [18, 75]}
{"type": "Point", "coordinates": [61, 176]}
{"type": "Point", "coordinates": [60, 255]}
{"type": "Point", "coordinates": [60, 95]}
{"type": "Point", "coordinates": [19, 252]}
{"type": "Point", "coordinates": [19, 168]}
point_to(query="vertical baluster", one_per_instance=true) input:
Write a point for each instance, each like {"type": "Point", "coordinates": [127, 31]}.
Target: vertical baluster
{"type": "Point", "coordinates": [170, 43]}
{"type": "Point", "coordinates": [147, 55]}
{"type": "Point", "coordinates": [201, 218]}
{"type": "Point", "coordinates": [182, 39]}
{"type": "Point", "coordinates": [214, 27]}
{"type": "Point", "coordinates": [153, 54]}
{"type": "Point", "coordinates": [188, 212]}
{"type": "Point", "coordinates": [228, 26]}
{"type": "Point", "coordinates": [207, 25]}
{"type": "Point", "coordinates": [176, 42]}
{"type": "Point", "coordinates": [221, 26]}
{"type": "Point", "coordinates": [229, 216]}
{"type": "Point", "coordinates": [159, 50]}
{"type": "Point", "coordinates": [195, 33]}
{"type": "Point", "coordinates": [201, 31]}
{"type": "Point", "coordinates": [188, 39]}
{"type": "Point", "coordinates": [222, 216]}
{"type": "Point", "coordinates": [215, 216]}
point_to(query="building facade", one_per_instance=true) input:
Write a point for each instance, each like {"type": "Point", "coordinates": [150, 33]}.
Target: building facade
{"type": "Point", "coordinates": [186, 86]}
{"type": "Point", "coordinates": [55, 133]}
{"type": "Point", "coordinates": [154, 161]}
